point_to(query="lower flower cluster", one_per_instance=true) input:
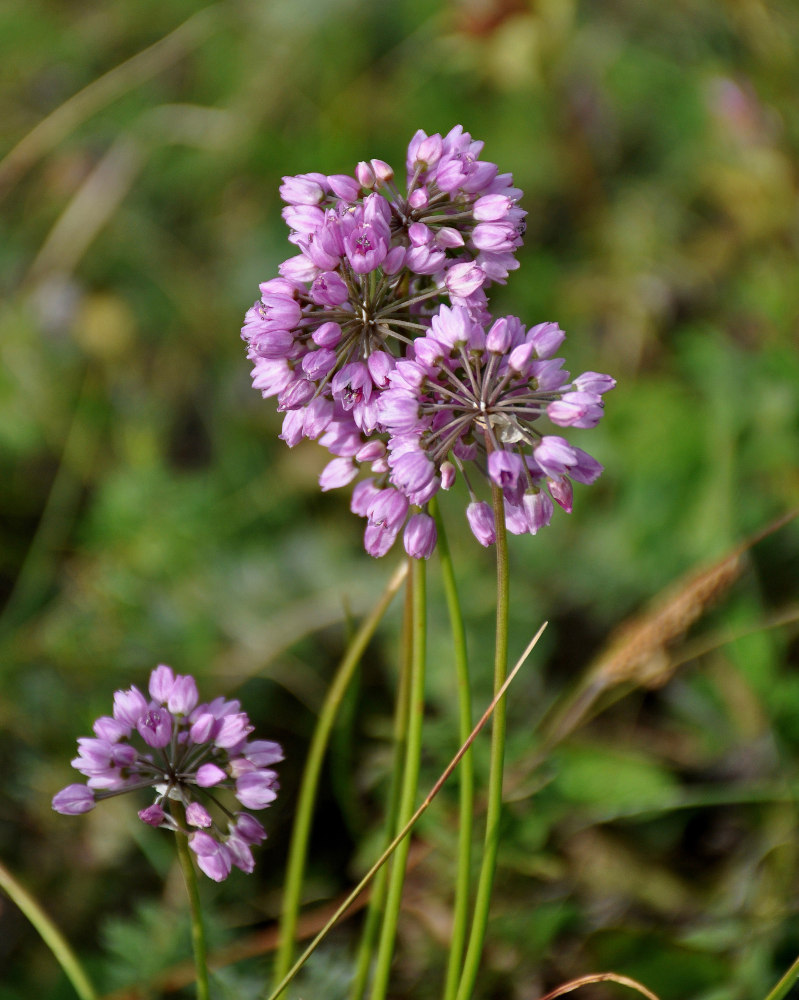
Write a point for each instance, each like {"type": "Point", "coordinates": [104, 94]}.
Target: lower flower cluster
{"type": "Point", "coordinates": [187, 753]}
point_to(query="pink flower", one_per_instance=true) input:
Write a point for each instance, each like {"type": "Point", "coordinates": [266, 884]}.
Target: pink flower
{"type": "Point", "coordinates": [420, 536]}
{"type": "Point", "coordinates": [199, 747]}
{"type": "Point", "coordinates": [213, 857]}
{"type": "Point", "coordinates": [74, 800]}
{"type": "Point", "coordinates": [155, 727]}
{"type": "Point", "coordinates": [257, 789]}
{"type": "Point", "coordinates": [481, 521]}
{"type": "Point", "coordinates": [377, 341]}
{"type": "Point", "coordinates": [480, 398]}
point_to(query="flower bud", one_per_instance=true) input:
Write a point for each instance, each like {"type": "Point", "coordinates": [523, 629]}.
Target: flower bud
{"type": "Point", "coordinates": [153, 815]}
{"type": "Point", "coordinates": [73, 800]}
{"type": "Point", "coordinates": [481, 521]}
{"type": "Point", "coordinates": [365, 175]}
{"type": "Point", "coordinates": [420, 536]}
{"type": "Point", "coordinates": [383, 171]}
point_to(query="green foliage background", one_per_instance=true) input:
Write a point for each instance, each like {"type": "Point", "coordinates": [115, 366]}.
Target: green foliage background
{"type": "Point", "coordinates": [150, 515]}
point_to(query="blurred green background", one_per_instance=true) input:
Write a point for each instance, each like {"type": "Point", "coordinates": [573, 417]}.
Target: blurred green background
{"type": "Point", "coordinates": [150, 515]}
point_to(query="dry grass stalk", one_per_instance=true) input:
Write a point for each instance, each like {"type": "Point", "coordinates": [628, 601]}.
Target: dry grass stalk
{"type": "Point", "coordinates": [638, 652]}
{"type": "Point", "coordinates": [601, 977]}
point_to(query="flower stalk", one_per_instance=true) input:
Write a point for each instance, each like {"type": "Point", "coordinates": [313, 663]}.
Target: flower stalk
{"type": "Point", "coordinates": [198, 942]}
{"type": "Point", "coordinates": [460, 912]}
{"type": "Point", "coordinates": [374, 913]}
{"type": "Point", "coordinates": [485, 881]}
{"type": "Point", "coordinates": [410, 779]}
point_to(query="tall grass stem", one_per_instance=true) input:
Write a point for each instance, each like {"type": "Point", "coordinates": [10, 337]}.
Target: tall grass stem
{"type": "Point", "coordinates": [298, 848]}
{"type": "Point", "coordinates": [49, 933]}
{"type": "Point", "coordinates": [403, 833]}
{"type": "Point", "coordinates": [783, 987]}
{"type": "Point", "coordinates": [371, 927]}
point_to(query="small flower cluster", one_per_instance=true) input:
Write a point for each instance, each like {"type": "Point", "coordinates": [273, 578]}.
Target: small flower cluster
{"type": "Point", "coordinates": [373, 340]}
{"type": "Point", "coordinates": [470, 395]}
{"type": "Point", "coordinates": [186, 752]}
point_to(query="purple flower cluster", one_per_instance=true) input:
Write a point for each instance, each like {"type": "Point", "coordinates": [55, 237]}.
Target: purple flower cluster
{"type": "Point", "coordinates": [376, 330]}
{"type": "Point", "coordinates": [471, 397]}
{"type": "Point", "coordinates": [187, 752]}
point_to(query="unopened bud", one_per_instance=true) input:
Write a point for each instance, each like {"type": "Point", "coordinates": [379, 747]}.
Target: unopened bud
{"type": "Point", "coordinates": [365, 175]}
{"type": "Point", "coordinates": [383, 171]}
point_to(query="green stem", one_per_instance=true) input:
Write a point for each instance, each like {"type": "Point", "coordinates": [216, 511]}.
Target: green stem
{"type": "Point", "coordinates": [460, 912]}
{"type": "Point", "coordinates": [49, 933]}
{"type": "Point", "coordinates": [790, 978]}
{"type": "Point", "coordinates": [371, 927]}
{"type": "Point", "coordinates": [197, 928]}
{"type": "Point", "coordinates": [310, 780]}
{"type": "Point", "coordinates": [485, 881]}
{"type": "Point", "coordinates": [410, 780]}
{"type": "Point", "coordinates": [342, 909]}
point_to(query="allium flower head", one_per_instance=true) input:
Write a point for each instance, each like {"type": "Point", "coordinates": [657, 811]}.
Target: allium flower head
{"type": "Point", "coordinates": [475, 397]}
{"type": "Point", "coordinates": [377, 341]}
{"type": "Point", "coordinates": [373, 265]}
{"type": "Point", "coordinates": [187, 753]}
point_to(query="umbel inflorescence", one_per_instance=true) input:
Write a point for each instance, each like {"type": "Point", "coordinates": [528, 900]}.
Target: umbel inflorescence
{"type": "Point", "coordinates": [376, 340]}
{"type": "Point", "coordinates": [188, 753]}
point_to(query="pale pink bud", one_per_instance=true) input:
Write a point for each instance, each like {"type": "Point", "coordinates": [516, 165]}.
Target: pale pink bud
{"type": "Point", "coordinates": [212, 857]}
{"type": "Point", "coordinates": [383, 171]}
{"type": "Point", "coordinates": [464, 279]}
{"type": "Point", "coordinates": [394, 260]}
{"type": "Point", "coordinates": [481, 521]}
{"type": "Point", "coordinates": [562, 492]}
{"type": "Point", "coordinates": [420, 536]}
{"type": "Point", "coordinates": [344, 186]}
{"type": "Point", "coordinates": [162, 681]}
{"type": "Point", "coordinates": [197, 815]}
{"type": "Point", "coordinates": [209, 775]}
{"type": "Point", "coordinates": [339, 472]}
{"type": "Point", "coordinates": [365, 175]}
{"type": "Point", "coordinates": [257, 789]}
{"type": "Point", "coordinates": [73, 800]}
{"type": "Point", "coordinates": [327, 335]}
{"type": "Point", "coordinates": [448, 474]}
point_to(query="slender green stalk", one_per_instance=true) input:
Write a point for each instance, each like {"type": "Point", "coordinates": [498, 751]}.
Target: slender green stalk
{"type": "Point", "coordinates": [410, 779]}
{"type": "Point", "coordinates": [310, 780]}
{"type": "Point", "coordinates": [403, 833]}
{"type": "Point", "coordinates": [485, 881]}
{"type": "Point", "coordinates": [371, 927]}
{"type": "Point", "coordinates": [197, 928]}
{"type": "Point", "coordinates": [790, 979]}
{"type": "Point", "coordinates": [49, 933]}
{"type": "Point", "coordinates": [460, 911]}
